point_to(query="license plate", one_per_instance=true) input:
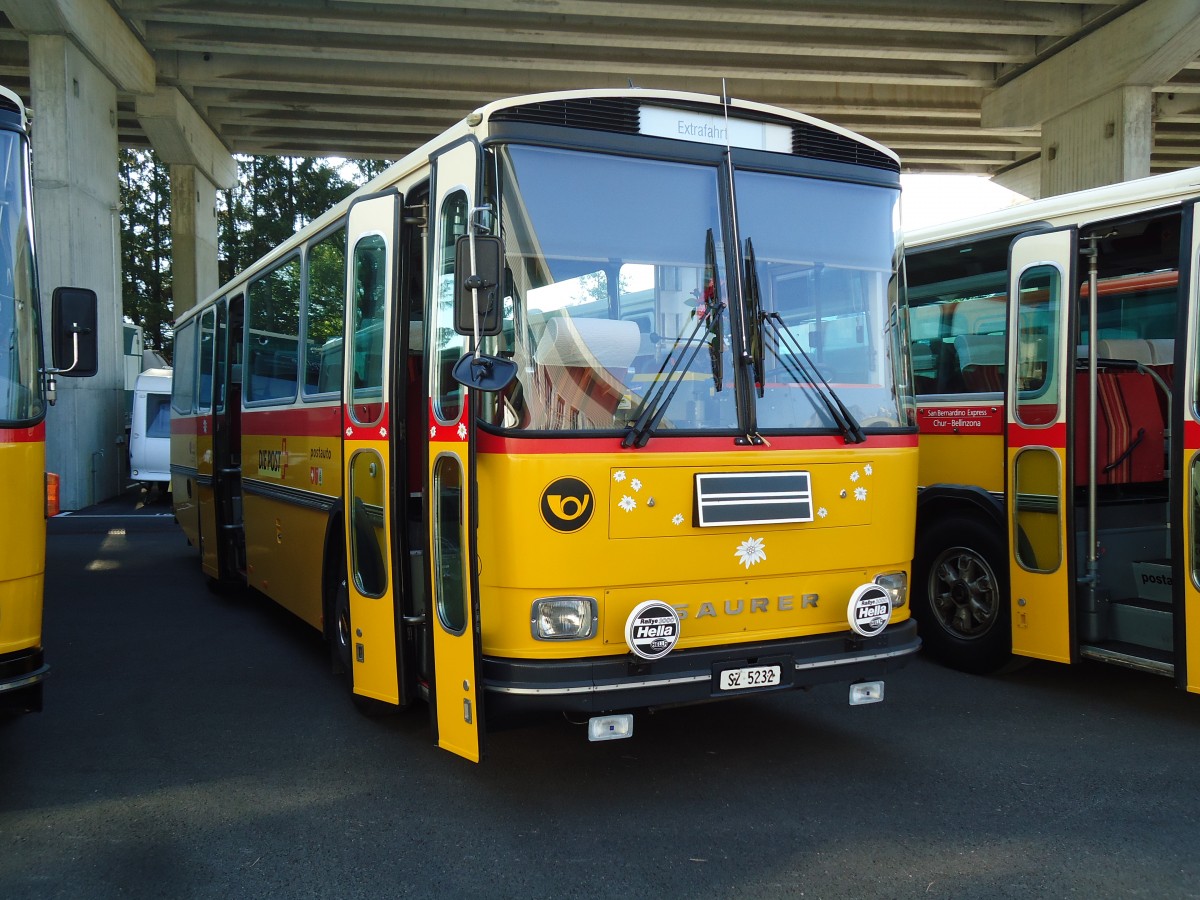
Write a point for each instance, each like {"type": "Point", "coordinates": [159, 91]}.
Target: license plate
{"type": "Point", "coordinates": [749, 677]}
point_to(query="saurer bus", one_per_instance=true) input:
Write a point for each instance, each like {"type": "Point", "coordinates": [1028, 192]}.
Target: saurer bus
{"type": "Point", "coordinates": [595, 403]}
{"type": "Point", "coordinates": [1055, 359]}
{"type": "Point", "coordinates": [26, 387]}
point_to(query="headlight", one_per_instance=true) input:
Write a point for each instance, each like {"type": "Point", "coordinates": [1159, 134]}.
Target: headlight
{"type": "Point", "coordinates": [564, 618]}
{"type": "Point", "coordinates": [896, 584]}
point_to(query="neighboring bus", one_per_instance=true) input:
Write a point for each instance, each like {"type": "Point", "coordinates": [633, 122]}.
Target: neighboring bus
{"type": "Point", "coordinates": [150, 429]}
{"type": "Point", "coordinates": [26, 387]}
{"type": "Point", "coordinates": [685, 465]}
{"type": "Point", "coordinates": [1055, 355]}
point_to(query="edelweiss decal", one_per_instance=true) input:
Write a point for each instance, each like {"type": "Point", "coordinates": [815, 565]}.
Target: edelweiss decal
{"type": "Point", "coordinates": [751, 552]}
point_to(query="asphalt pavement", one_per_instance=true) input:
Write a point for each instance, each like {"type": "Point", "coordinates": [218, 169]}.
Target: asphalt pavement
{"type": "Point", "coordinates": [195, 745]}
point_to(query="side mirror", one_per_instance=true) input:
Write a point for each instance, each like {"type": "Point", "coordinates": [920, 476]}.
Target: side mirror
{"type": "Point", "coordinates": [74, 340]}
{"type": "Point", "coordinates": [486, 275]}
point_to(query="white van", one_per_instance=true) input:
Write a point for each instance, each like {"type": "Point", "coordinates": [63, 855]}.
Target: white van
{"type": "Point", "coordinates": [150, 431]}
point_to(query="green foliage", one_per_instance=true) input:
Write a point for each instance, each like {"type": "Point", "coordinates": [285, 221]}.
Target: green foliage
{"type": "Point", "coordinates": [146, 245]}
{"type": "Point", "coordinates": [273, 197]}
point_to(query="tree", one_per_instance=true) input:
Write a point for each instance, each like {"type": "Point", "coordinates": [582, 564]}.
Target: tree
{"type": "Point", "coordinates": [273, 197]}
{"type": "Point", "coordinates": [146, 245]}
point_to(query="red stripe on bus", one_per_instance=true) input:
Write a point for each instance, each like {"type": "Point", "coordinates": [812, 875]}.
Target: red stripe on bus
{"type": "Point", "coordinates": [1191, 435]}
{"type": "Point", "coordinates": [310, 420]}
{"type": "Point", "coordinates": [1054, 436]}
{"type": "Point", "coordinates": [494, 443]}
{"type": "Point", "coordinates": [34, 435]}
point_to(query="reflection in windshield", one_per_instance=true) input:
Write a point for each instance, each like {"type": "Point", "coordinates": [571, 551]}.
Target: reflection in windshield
{"type": "Point", "coordinates": [824, 256]}
{"type": "Point", "coordinates": [606, 284]}
{"type": "Point", "coordinates": [20, 352]}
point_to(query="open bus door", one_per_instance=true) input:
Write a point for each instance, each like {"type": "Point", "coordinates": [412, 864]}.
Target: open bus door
{"type": "Point", "coordinates": [1039, 370]}
{"type": "Point", "coordinates": [367, 629]}
{"type": "Point", "coordinates": [1187, 545]}
{"type": "Point", "coordinates": [456, 698]}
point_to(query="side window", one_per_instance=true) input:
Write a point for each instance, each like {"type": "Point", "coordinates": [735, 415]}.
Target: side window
{"type": "Point", "coordinates": [958, 299]}
{"type": "Point", "coordinates": [183, 385]}
{"type": "Point", "coordinates": [448, 344]}
{"type": "Point", "coordinates": [370, 287]}
{"type": "Point", "coordinates": [324, 311]}
{"type": "Point", "coordinates": [1038, 306]}
{"type": "Point", "coordinates": [274, 314]}
{"type": "Point", "coordinates": [207, 349]}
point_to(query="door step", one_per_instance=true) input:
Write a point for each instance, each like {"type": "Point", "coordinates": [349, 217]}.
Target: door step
{"type": "Point", "coordinates": [1140, 658]}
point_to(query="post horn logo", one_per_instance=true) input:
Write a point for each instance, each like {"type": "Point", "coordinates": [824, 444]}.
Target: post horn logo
{"type": "Point", "coordinates": [567, 504]}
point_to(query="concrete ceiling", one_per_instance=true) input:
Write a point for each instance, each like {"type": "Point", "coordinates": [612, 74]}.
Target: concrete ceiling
{"type": "Point", "coordinates": [375, 79]}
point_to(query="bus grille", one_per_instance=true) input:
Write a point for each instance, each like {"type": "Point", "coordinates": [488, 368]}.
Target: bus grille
{"type": "Point", "coordinates": [622, 115]}
{"type": "Point", "coordinates": [818, 143]}
{"type": "Point", "coordinates": [600, 114]}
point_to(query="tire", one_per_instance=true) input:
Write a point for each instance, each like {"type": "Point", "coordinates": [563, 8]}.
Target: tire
{"type": "Point", "coordinates": [961, 596]}
{"type": "Point", "coordinates": [341, 644]}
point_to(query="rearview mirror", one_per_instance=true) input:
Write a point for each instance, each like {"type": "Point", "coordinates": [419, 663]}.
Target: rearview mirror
{"type": "Point", "coordinates": [73, 332]}
{"type": "Point", "coordinates": [486, 275]}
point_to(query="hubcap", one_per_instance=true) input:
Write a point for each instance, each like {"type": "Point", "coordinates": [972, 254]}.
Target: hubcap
{"type": "Point", "coordinates": [962, 593]}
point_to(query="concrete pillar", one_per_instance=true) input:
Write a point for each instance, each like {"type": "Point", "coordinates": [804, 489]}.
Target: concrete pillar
{"type": "Point", "coordinates": [193, 237]}
{"type": "Point", "coordinates": [76, 195]}
{"type": "Point", "coordinates": [200, 164]}
{"type": "Point", "coordinates": [1104, 141]}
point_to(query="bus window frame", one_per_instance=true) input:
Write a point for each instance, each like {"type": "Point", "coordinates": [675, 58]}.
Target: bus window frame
{"type": "Point", "coordinates": [342, 226]}
{"type": "Point", "coordinates": [247, 367]}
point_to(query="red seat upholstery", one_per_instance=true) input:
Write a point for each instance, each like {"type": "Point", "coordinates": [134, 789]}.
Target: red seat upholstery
{"type": "Point", "coordinates": [1130, 442]}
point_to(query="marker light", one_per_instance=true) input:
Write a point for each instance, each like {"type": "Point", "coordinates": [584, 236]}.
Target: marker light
{"type": "Point", "coordinates": [896, 584]}
{"type": "Point", "coordinates": [610, 728]}
{"type": "Point", "coordinates": [563, 618]}
{"type": "Point", "coordinates": [866, 692]}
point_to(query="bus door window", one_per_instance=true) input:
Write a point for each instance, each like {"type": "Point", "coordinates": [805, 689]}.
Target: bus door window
{"type": "Point", "coordinates": [207, 355]}
{"type": "Point", "coordinates": [1037, 487]}
{"type": "Point", "coordinates": [448, 344]}
{"type": "Point", "coordinates": [370, 285]}
{"type": "Point", "coordinates": [449, 544]}
{"type": "Point", "coordinates": [368, 538]}
{"type": "Point", "coordinates": [1037, 336]}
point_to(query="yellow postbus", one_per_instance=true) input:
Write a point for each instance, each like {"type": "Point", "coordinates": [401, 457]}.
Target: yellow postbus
{"type": "Point", "coordinates": [595, 403]}
{"type": "Point", "coordinates": [26, 387]}
{"type": "Point", "coordinates": [1054, 352]}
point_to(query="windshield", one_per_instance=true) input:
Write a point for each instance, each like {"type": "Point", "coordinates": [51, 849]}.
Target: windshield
{"type": "Point", "coordinates": [20, 349]}
{"type": "Point", "coordinates": [825, 255]}
{"type": "Point", "coordinates": [607, 262]}
{"type": "Point", "coordinates": [618, 296]}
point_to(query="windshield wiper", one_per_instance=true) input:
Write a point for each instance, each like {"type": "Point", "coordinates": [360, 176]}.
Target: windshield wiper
{"type": "Point", "coordinates": [799, 363]}
{"type": "Point", "coordinates": [754, 319]}
{"type": "Point", "coordinates": [706, 315]}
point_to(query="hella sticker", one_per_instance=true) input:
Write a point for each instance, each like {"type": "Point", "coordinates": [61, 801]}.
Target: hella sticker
{"type": "Point", "coordinates": [652, 629]}
{"type": "Point", "coordinates": [869, 609]}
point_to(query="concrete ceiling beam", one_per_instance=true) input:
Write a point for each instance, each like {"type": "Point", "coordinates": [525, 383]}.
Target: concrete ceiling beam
{"type": "Point", "coordinates": [94, 27]}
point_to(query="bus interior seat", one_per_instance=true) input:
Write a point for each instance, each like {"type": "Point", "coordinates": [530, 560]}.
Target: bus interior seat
{"type": "Point", "coordinates": [981, 361]}
{"type": "Point", "coordinates": [1136, 349]}
{"type": "Point", "coordinates": [1130, 434]}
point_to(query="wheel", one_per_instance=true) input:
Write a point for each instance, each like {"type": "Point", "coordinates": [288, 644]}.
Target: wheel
{"type": "Point", "coordinates": [960, 595]}
{"type": "Point", "coordinates": [342, 652]}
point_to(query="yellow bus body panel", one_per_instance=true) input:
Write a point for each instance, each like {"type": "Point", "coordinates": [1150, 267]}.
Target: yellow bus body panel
{"type": "Point", "coordinates": [976, 459]}
{"type": "Point", "coordinates": [23, 537]}
{"type": "Point", "coordinates": [374, 618]}
{"type": "Point", "coordinates": [1040, 602]}
{"type": "Point", "coordinates": [285, 541]}
{"type": "Point", "coordinates": [641, 544]}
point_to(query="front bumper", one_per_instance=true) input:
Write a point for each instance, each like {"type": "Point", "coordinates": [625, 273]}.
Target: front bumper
{"type": "Point", "coordinates": [614, 683]}
{"type": "Point", "coordinates": [21, 676]}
